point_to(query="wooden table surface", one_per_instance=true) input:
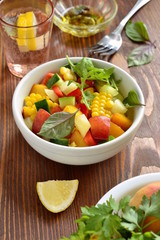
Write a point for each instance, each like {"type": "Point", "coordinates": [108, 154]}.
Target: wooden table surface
{"type": "Point", "coordinates": [22, 216]}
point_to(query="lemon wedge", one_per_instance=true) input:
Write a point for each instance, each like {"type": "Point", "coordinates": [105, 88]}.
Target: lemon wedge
{"type": "Point", "coordinates": [26, 36]}
{"type": "Point", "coordinates": [21, 33]}
{"type": "Point", "coordinates": [31, 32]}
{"type": "Point", "coordinates": [57, 195]}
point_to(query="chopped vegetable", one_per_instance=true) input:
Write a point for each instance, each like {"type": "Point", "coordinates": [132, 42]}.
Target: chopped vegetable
{"type": "Point", "coordinates": [55, 79]}
{"type": "Point", "coordinates": [121, 120]}
{"type": "Point", "coordinates": [62, 141]}
{"type": "Point", "coordinates": [42, 104]}
{"type": "Point", "coordinates": [101, 105]}
{"type": "Point", "coordinates": [115, 130]}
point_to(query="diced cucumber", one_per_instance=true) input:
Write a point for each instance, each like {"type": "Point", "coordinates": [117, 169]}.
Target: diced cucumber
{"type": "Point", "coordinates": [51, 94]}
{"type": "Point", "coordinates": [67, 87]}
{"type": "Point", "coordinates": [107, 88]}
{"type": "Point", "coordinates": [55, 80]}
{"type": "Point", "coordinates": [118, 107]}
{"type": "Point", "coordinates": [62, 141]}
{"type": "Point", "coordinates": [42, 104]}
{"type": "Point", "coordinates": [64, 101]}
{"type": "Point", "coordinates": [120, 97]}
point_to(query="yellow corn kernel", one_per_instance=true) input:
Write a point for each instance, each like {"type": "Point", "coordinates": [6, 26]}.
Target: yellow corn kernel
{"type": "Point", "coordinates": [63, 70]}
{"type": "Point", "coordinates": [51, 104]}
{"type": "Point", "coordinates": [28, 111]}
{"type": "Point", "coordinates": [29, 103]}
{"type": "Point", "coordinates": [109, 104]}
{"type": "Point", "coordinates": [102, 113]}
{"type": "Point", "coordinates": [32, 117]}
{"type": "Point", "coordinates": [68, 74]}
{"type": "Point", "coordinates": [95, 114]}
{"type": "Point", "coordinates": [108, 113]}
{"type": "Point", "coordinates": [101, 105]}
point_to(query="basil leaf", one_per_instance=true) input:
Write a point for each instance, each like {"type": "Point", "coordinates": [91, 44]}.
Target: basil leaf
{"type": "Point", "coordinates": [132, 100]}
{"type": "Point", "coordinates": [141, 55]}
{"type": "Point", "coordinates": [137, 31]}
{"type": "Point", "coordinates": [58, 125]}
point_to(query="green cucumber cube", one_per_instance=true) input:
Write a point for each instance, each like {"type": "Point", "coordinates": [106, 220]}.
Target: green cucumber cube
{"type": "Point", "coordinates": [54, 80]}
{"type": "Point", "coordinates": [64, 101]}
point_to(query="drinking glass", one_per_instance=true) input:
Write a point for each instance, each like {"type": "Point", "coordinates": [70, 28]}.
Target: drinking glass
{"type": "Point", "coordinates": [26, 28]}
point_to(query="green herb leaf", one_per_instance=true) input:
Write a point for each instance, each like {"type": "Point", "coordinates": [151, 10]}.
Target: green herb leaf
{"type": "Point", "coordinates": [86, 70]}
{"type": "Point", "coordinates": [131, 216]}
{"type": "Point", "coordinates": [151, 207]}
{"type": "Point", "coordinates": [58, 125]}
{"type": "Point", "coordinates": [112, 220]}
{"type": "Point", "coordinates": [82, 67]}
{"type": "Point", "coordinates": [141, 55]}
{"type": "Point", "coordinates": [132, 100]}
{"type": "Point", "coordinates": [137, 31]}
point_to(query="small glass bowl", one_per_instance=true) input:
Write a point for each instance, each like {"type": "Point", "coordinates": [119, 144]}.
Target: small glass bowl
{"type": "Point", "coordinates": [106, 9]}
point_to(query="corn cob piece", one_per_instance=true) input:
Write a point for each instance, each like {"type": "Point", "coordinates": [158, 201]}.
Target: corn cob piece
{"type": "Point", "coordinates": [102, 104]}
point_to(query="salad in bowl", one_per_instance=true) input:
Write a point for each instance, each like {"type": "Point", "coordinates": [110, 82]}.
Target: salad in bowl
{"type": "Point", "coordinates": [78, 110]}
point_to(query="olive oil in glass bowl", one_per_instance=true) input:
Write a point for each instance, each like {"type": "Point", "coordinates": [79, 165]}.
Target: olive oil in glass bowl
{"type": "Point", "coordinates": [84, 18]}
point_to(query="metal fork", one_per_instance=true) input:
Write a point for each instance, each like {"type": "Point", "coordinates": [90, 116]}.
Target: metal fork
{"type": "Point", "coordinates": [111, 43]}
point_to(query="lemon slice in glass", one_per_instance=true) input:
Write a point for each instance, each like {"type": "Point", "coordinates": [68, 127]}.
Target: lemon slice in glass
{"type": "Point", "coordinates": [31, 31]}
{"type": "Point", "coordinates": [21, 33]}
{"type": "Point", "coordinates": [26, 33]}
{"type": "Point", "coordinates": [57, 195]}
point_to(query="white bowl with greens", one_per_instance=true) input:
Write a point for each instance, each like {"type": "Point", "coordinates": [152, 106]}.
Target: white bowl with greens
{"type": "Point", "coordinates": [78, 155]}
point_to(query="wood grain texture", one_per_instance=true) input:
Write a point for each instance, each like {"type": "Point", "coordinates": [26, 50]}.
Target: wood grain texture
{"type": "Point", "coordinates": [22, 214]}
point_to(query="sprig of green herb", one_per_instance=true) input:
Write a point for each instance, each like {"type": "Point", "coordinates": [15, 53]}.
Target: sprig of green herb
{"type": "Point", "coordinates": [87, 71]}
{"type": "Point", "coordinates": [138, 32]}
{"type": "Point", "coordinates": [112, 220]}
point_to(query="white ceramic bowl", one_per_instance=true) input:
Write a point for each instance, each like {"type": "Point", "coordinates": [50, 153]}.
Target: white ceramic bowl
{"type": "Point", "coordinates": [70, 155]}
{"type": "Point", "coordinates": [130, 186]}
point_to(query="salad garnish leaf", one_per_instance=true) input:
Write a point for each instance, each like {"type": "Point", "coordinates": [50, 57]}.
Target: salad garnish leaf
{"type": "Point", "coordinates": [112, 220]}
{"type": "Point", "coordinates": [138, 33]}
{"type": "Point", "coordinates": [141, 55]}
{"type": "Point", "coordinates": [132, 100]}
{"type": "Point", "coordinates": [58, 125]}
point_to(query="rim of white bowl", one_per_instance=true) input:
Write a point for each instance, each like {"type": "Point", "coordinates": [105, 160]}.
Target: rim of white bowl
{"type": "Point", "coordinates": [129, 186]}
{"type": "Point", "coordinates": [21, 124]}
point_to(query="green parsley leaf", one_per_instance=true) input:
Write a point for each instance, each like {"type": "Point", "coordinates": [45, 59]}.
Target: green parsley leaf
{"type": "Point", "coordinates": [112, 220]}
{"type": "Point", "coordinates": [151, 207]}
{"type": "Point", "coordinates": [131, 216]}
